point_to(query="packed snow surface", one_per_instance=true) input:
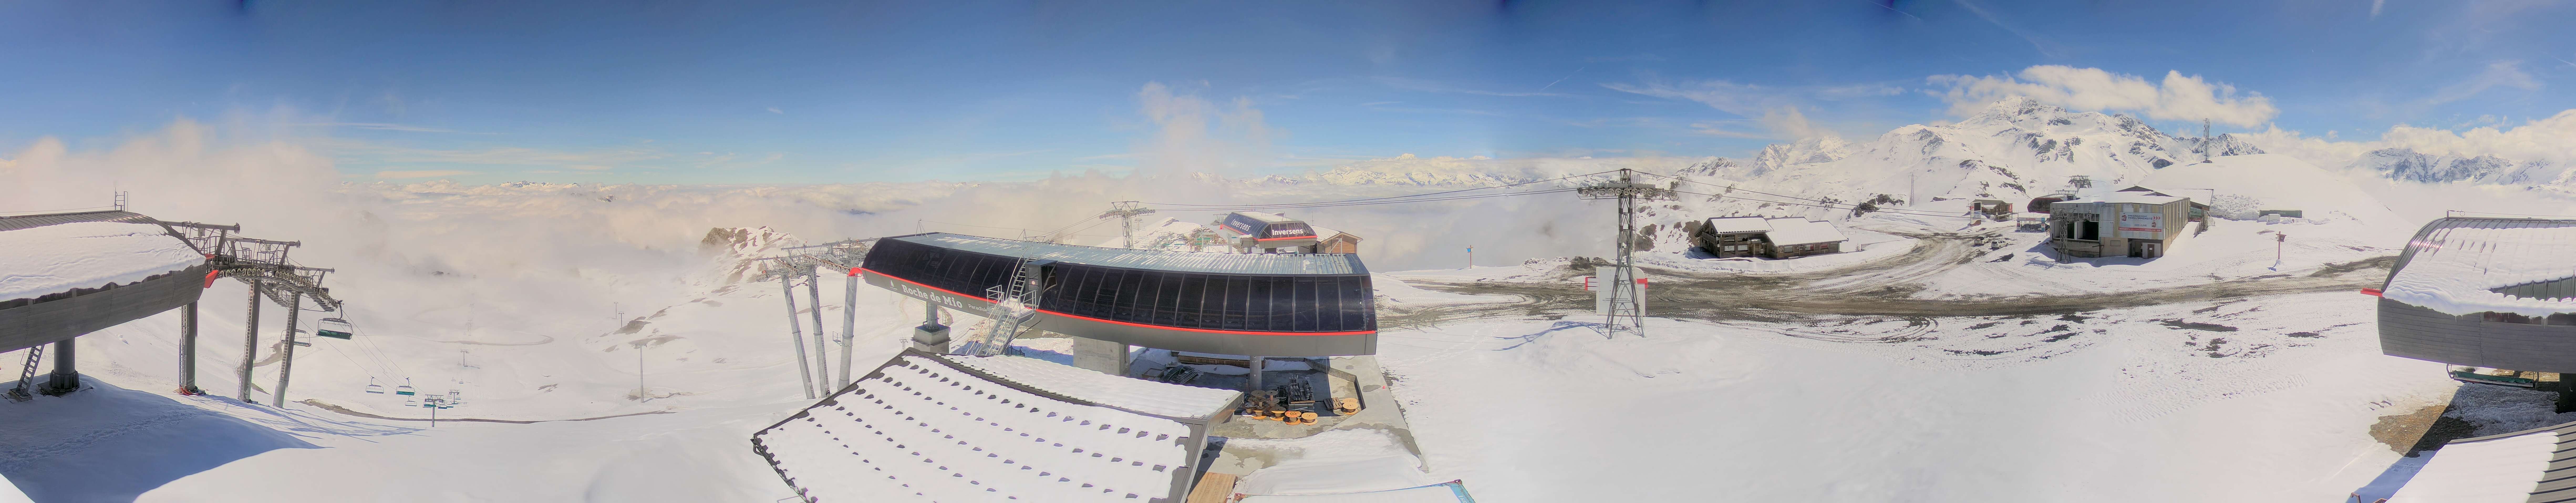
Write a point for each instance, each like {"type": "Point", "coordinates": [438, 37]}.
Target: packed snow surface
{"type": "Point", "coordinates": [2456, 268]}
{"type": "Point", "coordinates": [1136, 395]}
{"type": "Point", "coordinates": [61, 257]}
{"type": "Point", "coordinates": [928, 432]}
{"type": "Point", "coordinates": [2502, 470]}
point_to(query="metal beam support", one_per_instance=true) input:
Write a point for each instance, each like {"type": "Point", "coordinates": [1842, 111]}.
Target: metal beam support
{"type": "Point", "coordinates": [188, 351]}
{"type": "Point", "coordinates": [250, 342]}
{"type": "Point", "coordinates": [1626, 300]}
{"type": "Point", "coordinates": [286, 351]}
{"type": "Point", "coordinates": [849, 327]}
{"type": "Point", "coordinates": [822, 352]}
{"type": "Point", "coordinates": [796, 335]}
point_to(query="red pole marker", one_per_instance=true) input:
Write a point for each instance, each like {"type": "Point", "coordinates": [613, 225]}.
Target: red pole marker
{"type": "Point", "coordinates": [2374, 292]}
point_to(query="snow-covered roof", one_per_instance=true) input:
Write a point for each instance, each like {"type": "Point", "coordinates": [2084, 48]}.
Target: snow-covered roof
{"type": "Point", "coordinates": [2125, 197]}
{"type": "Point", "coordinates": [1266, 217]}
{"type": "Point", "coordinates": [1450, 492]}
{"type": "Point", "coordinates": [920, 429]}
{"type": "Point", "coordinates": [2455, 265]}
{"type": "Point", "coordinates": [2504, 468]}
{"type": "Point", "coordinates": [1799, 231]}
{"type": "Point", "coordinates": [1731, 225]}
{"type": "Point", "coordinates": [1166, 260]}
{"type": "Point", "coordinates": [1134, 395]}
{"type": "Point", "coordinates": [1322, 232]}
{"type": "Point", "coordinates": [52, 255]}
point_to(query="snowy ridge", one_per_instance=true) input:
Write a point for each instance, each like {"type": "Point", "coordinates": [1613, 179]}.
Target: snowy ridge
{"type": "Point", "coordinates": [925, 431]}
{"type": "Point", "coordinates": [1134, 395]}
{"type": "Point", "coordinates": [58, 258]}
{"type": "Point", "coordinates": [2409, 165]}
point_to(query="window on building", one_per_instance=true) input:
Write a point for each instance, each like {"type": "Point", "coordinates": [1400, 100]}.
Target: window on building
{"type": "Point", "coordinates": [2092, 231]}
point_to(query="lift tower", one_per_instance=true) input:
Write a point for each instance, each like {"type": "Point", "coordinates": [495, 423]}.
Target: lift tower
{"type": "Point", "coordinates": [1621, 286]}
{"type": "Point", "coordinates": [1126, 212]}
{"type": "Point", "coordinates": [262, 265]}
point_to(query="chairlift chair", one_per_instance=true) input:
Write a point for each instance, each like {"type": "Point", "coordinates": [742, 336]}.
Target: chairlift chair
{"type": "Point", "coordinates": [373, 388]}
{"type": "Point", "coordinates": [404, 389]}
{"type": "Point", "coordinates": [334, 328]}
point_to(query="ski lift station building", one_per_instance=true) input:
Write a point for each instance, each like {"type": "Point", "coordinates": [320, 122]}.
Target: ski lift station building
{"type": "Point", "coordinates": [67, 274]}
{"type": "Point", "coordinates": [1258, 232]}
{"type": "Point", "coordinates": [1293, 304]}
{"type": "Point", "coordinates": [2127, 223]}
{"type": "Point", "coordinates": [2498, 293]}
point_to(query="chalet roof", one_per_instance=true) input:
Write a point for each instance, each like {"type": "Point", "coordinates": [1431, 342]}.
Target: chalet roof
{"type": "Point", "coordinates": [1322, 232]}
{"type": "Point", "coordinates": [1799, 231]}
{"type": "Point", "coordinates": [1733, 225]}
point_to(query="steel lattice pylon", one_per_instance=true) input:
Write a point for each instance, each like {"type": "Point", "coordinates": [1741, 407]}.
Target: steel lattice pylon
{"type": "Point", "coordinates": [1625, 296]}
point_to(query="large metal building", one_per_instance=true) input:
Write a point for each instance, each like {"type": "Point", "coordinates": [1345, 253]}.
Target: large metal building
{"type": "Point", "coordinates": [2498, 293]}
{"type": "Point", "coordinates": [94, 279]}
{"type": "Point", "coordinates": [1223, 303]}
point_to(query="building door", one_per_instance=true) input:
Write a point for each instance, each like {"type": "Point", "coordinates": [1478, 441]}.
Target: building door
{"type": "Point", "coordinates": [2137, 249]}
{"type": "Point", "coordinates": [2153, 250]}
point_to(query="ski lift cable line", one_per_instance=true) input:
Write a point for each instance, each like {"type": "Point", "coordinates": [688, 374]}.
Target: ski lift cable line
{"type": "Point", "coordinates": [1835, 207]}
{"type": "Point", "coordinates": [1004, 228]}
{"type": "Point", "coordinates": [1909, 212]}
{"type": "Point", "coordinates": [1370, 203]}
{"type": "Point", "coordinates": [1568, 177]}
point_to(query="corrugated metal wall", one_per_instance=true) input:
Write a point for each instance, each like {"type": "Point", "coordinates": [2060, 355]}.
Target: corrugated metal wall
{"type": "Point", "coordinates": [2424, 334]}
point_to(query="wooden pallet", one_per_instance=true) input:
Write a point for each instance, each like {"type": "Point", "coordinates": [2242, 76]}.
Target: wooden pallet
{"type": "Point", "coordinates": [1212, 488]}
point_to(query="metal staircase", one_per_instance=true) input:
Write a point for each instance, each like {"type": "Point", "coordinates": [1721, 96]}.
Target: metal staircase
{"type": "Point", "coordinates": [27, 378]}
{"type": "Point", "coordinates": [1014, 308]}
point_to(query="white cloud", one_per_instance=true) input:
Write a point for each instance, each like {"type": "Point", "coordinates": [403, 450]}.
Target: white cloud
{"type": "Point", "coordinates": [2179, 97]}
{"type": "Point", "coordinates": [2500, 73]}
{"type": "Point", "coordinates": [775, 110]}
{"type": "Point", "coordinates": [2537, 140]}
{"type": "Point", "coordinates": [380, 126]}
{"type": "Point", "coordinates": [2375, 6]}
{"type": "Point", "coordinates": [405, 174]}
{"type": "Point", "coordinates": [1775, 109]}
{"type": "Point", "coordinates": [1196, 134]}
{"type": "Point", "coordinates": [366, 152]}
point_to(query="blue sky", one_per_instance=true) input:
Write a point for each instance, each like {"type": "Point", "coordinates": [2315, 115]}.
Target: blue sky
{"type": "Point", "coordinates": [671, 92]}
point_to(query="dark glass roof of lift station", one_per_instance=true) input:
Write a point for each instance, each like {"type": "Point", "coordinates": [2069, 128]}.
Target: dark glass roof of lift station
{"type": "Point", "coordinates": [1215, 302]}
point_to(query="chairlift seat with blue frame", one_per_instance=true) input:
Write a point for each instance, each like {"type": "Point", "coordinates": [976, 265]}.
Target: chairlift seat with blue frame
{"type": "Point", "coordinates": [334, 328]}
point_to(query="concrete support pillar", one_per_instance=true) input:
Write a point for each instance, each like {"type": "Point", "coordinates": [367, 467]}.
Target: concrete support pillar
{"type": "Point", "coordinates": [1255, 363]}
{"type": "Point", "coordinates": [250, 343]}
{"type": "Point", "coordinates": [1107, 357]}
{"type": "Point", "coordinates": [930, 337]}
{"type": "Point", "coordinates": [188, 351]}
{"type": "Point", "coordinates": [849, 326]}
{"type": "Point", "coordinates": [66, 378]}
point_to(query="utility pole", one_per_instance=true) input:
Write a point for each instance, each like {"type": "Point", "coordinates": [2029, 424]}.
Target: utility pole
{"type": "Point", "coordinates": [1621, 284]}
{"type": "Point", "coordinates": [1471, 256]}
{"type": "Point", "coordinates": [797, 335]}
{"type": "Point", "coordinates": [640, 396]}
{"type": "Point", "coordinates": [1126, 212]}
{"type": "Point", "coordinates": [286, 352]}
